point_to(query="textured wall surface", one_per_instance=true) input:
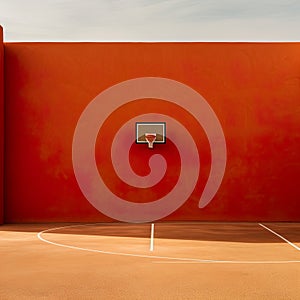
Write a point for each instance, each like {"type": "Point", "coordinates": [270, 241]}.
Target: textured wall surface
{"type": "Point", "coordinates": [233, 131]}
{"type": "Point", "coordinates": [1, 122]}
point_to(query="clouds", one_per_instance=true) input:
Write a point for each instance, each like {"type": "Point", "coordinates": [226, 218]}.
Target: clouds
{"type": "Point", "coordinates": [153, 20]}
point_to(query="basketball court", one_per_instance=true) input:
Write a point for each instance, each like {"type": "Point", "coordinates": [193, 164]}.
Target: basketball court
{"type": "Point", "coordinates": [149, 171]}
{"type": "Point", "coordinates": [182, 260]}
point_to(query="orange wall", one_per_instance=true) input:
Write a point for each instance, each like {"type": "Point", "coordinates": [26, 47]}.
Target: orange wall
{"type": "Point", "coordinates": [253, 89]}
{"type": "Point", "coordinates": [1, 123]}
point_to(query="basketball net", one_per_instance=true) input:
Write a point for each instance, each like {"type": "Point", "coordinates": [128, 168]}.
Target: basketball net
{"type": "Point", "coordinates": [150, 138]}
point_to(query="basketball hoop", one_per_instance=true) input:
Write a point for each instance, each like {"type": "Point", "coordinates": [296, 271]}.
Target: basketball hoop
{"type": "Point", "coordinates": [150, 138]}
{"type": "Point", "coordinates": [150, 133]}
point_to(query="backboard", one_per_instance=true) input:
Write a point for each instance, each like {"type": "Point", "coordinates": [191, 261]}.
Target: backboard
{"type": "Point", "coordinates": [144, 129]}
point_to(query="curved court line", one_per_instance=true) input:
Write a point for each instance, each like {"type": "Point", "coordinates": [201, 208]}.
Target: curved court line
{"type": "Point", "coordinates": [167, 258]}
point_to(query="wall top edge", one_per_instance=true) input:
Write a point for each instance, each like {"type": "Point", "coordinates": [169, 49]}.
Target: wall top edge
{"type": "Point", "coordinates": [153, 42]}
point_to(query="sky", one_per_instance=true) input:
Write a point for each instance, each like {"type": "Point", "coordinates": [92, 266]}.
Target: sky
{"type": "Point", "coordinates": [150, 20]}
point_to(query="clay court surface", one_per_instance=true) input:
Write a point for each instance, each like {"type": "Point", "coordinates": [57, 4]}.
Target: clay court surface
{"type": "Point", "coordinates": [121, 261]}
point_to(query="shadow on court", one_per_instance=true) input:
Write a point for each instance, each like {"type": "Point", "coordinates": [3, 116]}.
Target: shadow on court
{"type": "Point", "coordinates": [201, 231]}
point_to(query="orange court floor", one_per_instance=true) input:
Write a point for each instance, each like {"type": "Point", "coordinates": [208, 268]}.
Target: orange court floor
{"type": "Point", "coordinates": [182, 260]}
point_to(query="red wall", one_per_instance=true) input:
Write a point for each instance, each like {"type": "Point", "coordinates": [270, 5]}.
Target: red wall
{"type": "Point", "coordinates": [1, 123]}
{"type": "Point", "coordinates": [253, 88]}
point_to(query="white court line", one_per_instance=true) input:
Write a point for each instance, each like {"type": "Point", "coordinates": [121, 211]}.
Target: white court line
{"type": "Point", "coordinates": [254, 262]}
{"type": "Point", "coordinates": [290, 243]}
{"type": "Point", "coordinates": [152, 238]}
{"type": "Point", "coordinates": [163, 259]}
